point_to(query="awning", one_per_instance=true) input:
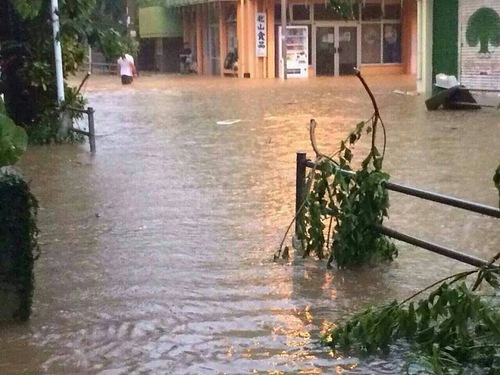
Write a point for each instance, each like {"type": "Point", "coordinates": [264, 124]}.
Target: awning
{"type": "Point", "coordinates": [185, 3]}
{"type": "Point", "coordinates": [159, 22]}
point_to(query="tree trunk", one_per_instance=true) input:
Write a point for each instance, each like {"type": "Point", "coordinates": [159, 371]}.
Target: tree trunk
{"type": "Point", "coordinates": [483, 42]}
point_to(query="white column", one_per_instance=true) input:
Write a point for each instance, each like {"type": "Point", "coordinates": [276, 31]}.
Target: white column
{"type": "Point", "coordinates": [283, 39]}
{"type": "Point", "coordinates": [57, 51]}
{"type": "Point", "coordinates": [424, 45]}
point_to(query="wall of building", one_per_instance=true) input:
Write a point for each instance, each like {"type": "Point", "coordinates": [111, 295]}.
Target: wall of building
{"type": "Point", "coordinates": [445, 38]}
{"type": "Point", "coordinates": [479, 34]}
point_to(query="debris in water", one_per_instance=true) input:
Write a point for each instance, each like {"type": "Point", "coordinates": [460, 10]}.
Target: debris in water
{"type": "Point", "coordinates": [410, 93]}
{"type": "Point", "coordinates": [228, 122]}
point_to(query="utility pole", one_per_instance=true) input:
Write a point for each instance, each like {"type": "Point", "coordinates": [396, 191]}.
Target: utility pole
{"type": "Point", "coordinates": [283, 37]}
{"type": "Point", "coordinates": [131, 9]}
{"type": "Point", "coordinates": [57, 51]}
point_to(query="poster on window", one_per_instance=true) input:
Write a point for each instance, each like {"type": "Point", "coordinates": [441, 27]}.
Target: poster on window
{"type": "Point", "coordinates": [480, 44]}
{"type": "Point", "coordinates": [260, 35]}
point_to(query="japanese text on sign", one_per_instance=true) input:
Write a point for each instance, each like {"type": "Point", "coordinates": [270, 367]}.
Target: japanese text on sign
{"type": "Point", "coordinates": [260, 35]}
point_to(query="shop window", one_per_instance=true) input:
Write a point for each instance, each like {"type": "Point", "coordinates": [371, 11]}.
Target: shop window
{"type": "Point", "coordinates": [230, 13]}
{"type": "Point", "coordinates": [392, 9]}
{"type": "Point", "coordinates": [277, 14]}
{"type": "Point", "coordinates": [232, 41]}
{"type": "Point", "coordinates": [392, 43]}
{"type": "Point", "coordinates": [371, 10]}
{"type": "Point", "coordinates": [328, 13]}
{"type": "Point", "coordinates": [213, 15]}
{"type": "Point", "coordinates": [301, 12]}
{"type": "Point", "coordinates": [370, 43]}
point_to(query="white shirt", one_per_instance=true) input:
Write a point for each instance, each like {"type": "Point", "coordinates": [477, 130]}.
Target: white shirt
{"type": "Point", "coordinates": [126, 65]}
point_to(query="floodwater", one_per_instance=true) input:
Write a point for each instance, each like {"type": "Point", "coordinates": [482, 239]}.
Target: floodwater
{"type": "Point", "coordinates": [157, 251]}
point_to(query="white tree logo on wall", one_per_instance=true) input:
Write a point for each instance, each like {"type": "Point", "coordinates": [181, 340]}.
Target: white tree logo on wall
{"type": "Point", "coordinates": [483, 28]}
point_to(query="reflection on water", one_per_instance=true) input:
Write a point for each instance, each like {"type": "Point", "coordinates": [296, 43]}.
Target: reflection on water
{"type": "Point", "coordinates": [157, 250]}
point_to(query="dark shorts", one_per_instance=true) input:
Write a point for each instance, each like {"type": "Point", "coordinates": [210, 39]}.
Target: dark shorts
{"type": "Point", "coordinates": [127, 80]}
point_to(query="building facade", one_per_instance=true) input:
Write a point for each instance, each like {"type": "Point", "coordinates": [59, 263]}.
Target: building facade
{"type": "Point", "coordinates": [460, 38]}
{"type": "Point", "coordinates": [380, 36]}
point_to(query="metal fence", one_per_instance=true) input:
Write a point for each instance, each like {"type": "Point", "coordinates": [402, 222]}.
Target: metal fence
{"type": "Point", "coordinates": [99, 67]}
{"type": "Point", "coordinates": [300, 195]}
{"type": "Point", "coordinates": [91, 132]}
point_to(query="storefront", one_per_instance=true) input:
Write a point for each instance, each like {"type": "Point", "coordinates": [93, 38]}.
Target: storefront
{"type": "Point", "coordinates": [379, 37]}
{"type": "Point", "coordinates": [160, 31]}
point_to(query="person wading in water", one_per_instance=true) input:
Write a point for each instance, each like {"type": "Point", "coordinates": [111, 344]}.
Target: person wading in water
{"type": "Point", "coordinates": [126, 68]}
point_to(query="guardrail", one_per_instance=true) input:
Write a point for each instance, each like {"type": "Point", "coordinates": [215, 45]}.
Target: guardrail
{"type": "Point", "coordinates": [91, 132]}
{"type": "Point", "coordinates": [99, 67]}
{"type": "Point", "coordinates": [300, 195]}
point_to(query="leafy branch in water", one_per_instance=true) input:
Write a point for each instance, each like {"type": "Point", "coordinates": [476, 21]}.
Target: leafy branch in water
{"type": "Point", "coordinates": [452, 328]}
{"type": "Point", "coordinates": [342, 206]}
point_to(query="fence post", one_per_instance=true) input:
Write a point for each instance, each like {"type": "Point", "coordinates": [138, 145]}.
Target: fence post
{"type": "Point", "coordinates": [90, 112]}
{"type": "Point", "coordinates": [300, 188]}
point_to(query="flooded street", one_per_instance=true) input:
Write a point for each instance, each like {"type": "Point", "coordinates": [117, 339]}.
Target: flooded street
{"type": "Point", "coordinates": [157, 251]}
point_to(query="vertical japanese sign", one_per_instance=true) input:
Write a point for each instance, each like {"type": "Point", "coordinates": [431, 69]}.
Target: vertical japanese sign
{"type": "Point", "coordinates": [260, 35]}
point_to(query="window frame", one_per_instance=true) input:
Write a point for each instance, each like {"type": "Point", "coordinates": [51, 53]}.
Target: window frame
{"type": "Point", "coordinates": [382, 22]}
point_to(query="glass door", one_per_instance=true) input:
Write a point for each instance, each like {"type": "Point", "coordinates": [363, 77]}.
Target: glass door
{"type": "Point", "coordinates": [336, 50]}
{"type": "Point", "coordinates": [325, 51]}
{"type": "Point", "coordinates": [347, 49]}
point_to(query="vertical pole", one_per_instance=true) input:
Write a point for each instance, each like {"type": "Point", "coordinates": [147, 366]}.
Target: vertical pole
{"type": "Point", "coordinates": [283, 37]}
{"type": "Point", "coordinates": [90, 58]}
{"type": "Point", "coordinates": [90, 112]}
{"type": "Point", "coordinates": [300, 188]}
{"type": "Point", "coordinates": [57, 51]}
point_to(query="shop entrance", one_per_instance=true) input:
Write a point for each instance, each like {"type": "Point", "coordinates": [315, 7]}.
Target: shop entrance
{"type": "Point", "coordinates": [335, 50]}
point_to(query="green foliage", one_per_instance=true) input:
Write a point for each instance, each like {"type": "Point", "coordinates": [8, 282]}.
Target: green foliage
{"type": "Point", "coordinates": [31, 92]}
{"type": "Point", "coordinates": [344, 8]}
{"type": "Point", "coordinates": [452, 328]}
{"type": "Point", "coordinates": [18, 237]}
{"type": "Point", "coordinates": [47, 129]}
{"type": "Point", "coordinates": [13, 139]}
{"type": "Point", "coordinates": [27, 8]}
{"type": "Point", "coordinates": [357, 201]}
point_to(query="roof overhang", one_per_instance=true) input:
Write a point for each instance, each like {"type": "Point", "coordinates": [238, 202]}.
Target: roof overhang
{"type": "Point", "coordinates": [185, 3]}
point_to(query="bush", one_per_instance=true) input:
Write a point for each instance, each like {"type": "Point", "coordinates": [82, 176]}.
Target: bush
{"type": "Point", "coordinates": [18, 245]}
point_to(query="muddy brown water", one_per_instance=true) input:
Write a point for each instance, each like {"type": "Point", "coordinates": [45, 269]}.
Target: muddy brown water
{"type": "Point", "coordinates": [157, 251]}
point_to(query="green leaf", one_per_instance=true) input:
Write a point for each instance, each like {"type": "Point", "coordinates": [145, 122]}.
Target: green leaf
{"type": "Point", "coordinates": [3, 111]}
{"type": "Point", "coordinates": [13, 141]}
{"type": "Point", "coordinates": [352, 138]}
{"type": "Point", "coordinates": [348, 155]}
{"type": "Point", "coordinates": [359, 126]}
{"type": "Point", "coordinates": [20, 140]}
{"type": "Point", "coordinates": [27, 8]}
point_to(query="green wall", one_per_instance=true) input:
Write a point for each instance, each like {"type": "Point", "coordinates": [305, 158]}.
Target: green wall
{"type": "Point", "coordinates": [158, 22]}
{"type": "Point", "coordinates": [445, 38]}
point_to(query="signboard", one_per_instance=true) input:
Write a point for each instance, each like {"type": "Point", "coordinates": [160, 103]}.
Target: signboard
{"type": "Point", "coordinates": [260, 35]}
